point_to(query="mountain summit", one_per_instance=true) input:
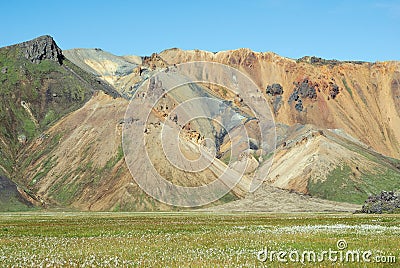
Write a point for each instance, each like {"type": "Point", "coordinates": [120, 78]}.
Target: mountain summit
{"type": "Point", "coordinates": [41, 48]}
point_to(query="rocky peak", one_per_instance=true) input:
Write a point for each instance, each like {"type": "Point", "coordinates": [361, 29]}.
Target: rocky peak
{"type": "Point", "coordinates": [41, 48]}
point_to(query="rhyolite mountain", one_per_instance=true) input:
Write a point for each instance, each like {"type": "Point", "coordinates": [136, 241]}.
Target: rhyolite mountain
{"type": "Point", "coordinates": [62, 115]}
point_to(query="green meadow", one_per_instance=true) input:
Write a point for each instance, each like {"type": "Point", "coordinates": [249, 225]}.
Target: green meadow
{"type": "Point", "coordinates": [195, 239]}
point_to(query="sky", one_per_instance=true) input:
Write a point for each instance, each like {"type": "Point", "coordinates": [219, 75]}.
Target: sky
{"type": "Point", "coordinates": [343, 30]}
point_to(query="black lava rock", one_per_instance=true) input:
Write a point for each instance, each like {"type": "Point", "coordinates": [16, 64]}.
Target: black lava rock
{"type": "Point", "coordinates": [306, 90]}
{"type": "Point", "coordinates": [299, 106]}
{"type": "Point", "coordinates": [302, 90]}
{"type": "Point", "coordinates": [274, 89]}
{"type": "Point", "coordinates": [385, 202]}
{"type": "Point", "coordinates": [334, 91]}
{"type": "Point", "coordinates": [294, 96]}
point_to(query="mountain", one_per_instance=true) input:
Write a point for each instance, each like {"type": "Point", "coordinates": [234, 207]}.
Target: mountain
{"type": "Point", "coordinates": [340, 120]}
{"type": "Point", "coordinates": [63, 112]}
{"type": "Point", "coordinates": [120, 72]}
{"type": "Point", "coordinates": [321, 96]}
{"type": "Point", "coordinates": [124, 73]}
{"type": "Point", "coordinates": [38, 87]}
{"type": "Point", "coordinates": [80, 163]}
{"type": "Point", "coordinates": [361, 98]}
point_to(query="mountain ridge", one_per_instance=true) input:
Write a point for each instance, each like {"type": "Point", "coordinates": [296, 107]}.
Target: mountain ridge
{"type": "Point", "coordinates": [332, 85]}
{"type": "Point", "coordinates": [75, 160]}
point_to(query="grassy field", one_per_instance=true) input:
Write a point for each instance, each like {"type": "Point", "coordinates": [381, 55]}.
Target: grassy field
{"type": "Point", "coordinates": [193, 239]}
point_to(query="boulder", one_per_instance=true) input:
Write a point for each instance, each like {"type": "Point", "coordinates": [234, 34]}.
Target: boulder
{"type": "Point", "coordinates": [385, 202]}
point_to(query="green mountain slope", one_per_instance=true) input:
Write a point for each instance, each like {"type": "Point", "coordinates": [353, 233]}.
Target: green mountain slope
{"type": "Point", "coordinates": [329, 164]}
{"type": "Point", "coordinates": [38, 86]}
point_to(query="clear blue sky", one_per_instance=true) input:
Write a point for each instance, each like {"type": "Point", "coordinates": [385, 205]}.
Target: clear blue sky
{"type": "Point", "coordinates": [344, 30]}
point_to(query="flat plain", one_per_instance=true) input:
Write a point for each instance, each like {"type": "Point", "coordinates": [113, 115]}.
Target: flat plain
{"type": "Point", "coordinates": [194, 239]}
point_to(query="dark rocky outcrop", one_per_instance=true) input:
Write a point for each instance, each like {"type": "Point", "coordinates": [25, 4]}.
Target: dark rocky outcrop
{"type": "Point", "coordinates": [306, 90]}
{"type": "Point", "coordinates": [385, 202]}
{"type": "Point", "coordinates": [274, 89]}
{"type": "Point", "coordinates": [294, 96]}
{"type": "Point", "coordinates": [334, 90]}
{"type": "Point", "coordinates": [302, 90]}
{"type": "Point", "coordinates": [299, 106]}
{"type": "Point", "coordinates": [41, 48]}
{"type": "Point", "coordinates": [320, 61]}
